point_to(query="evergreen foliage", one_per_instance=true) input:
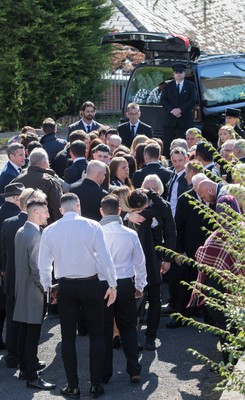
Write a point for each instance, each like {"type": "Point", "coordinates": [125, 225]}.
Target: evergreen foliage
{"type": "Point", "coordinates": [51, 60]}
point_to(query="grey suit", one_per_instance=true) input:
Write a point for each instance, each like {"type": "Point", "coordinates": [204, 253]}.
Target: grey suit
{"type": "Point", "coordinates": [28, 290]}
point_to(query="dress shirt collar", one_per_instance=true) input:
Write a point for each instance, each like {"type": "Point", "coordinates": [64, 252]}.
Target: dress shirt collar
{"type": "Point", "coordinates": [78, 159]}
{"type": "Point", "coordinates": [15, 166]}
{"type": "Point", "coordinates": [135, 126]}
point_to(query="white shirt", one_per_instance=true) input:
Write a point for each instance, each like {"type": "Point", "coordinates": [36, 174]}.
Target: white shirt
{"type": "Point", "coordinates": [126, 252]}
{"type": "Point", "coordinates": [174, 193]}
{"type": "Point", "coordinates": [180, 85]}
{"type": "Point", "coordinates": [135, 126]}
{"type": "Point", "coordinates": [15, 166]}
{"type": "Point", "coordinates": [77, 247]}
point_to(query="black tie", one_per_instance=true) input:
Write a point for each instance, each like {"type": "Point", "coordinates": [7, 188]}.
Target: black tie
{"type": "Point", "coordinates": [132, 130]}
{"type": "Point", "coordinates": [88, 128]}
{"type": "Point", "coordinates": [178, 87]}
{"type": "Point", "coordinates": [174, 178]}
{"type": "Point", "coordinates": [40, 229]}
{"type": "Point", "coordinates": [20, 170]}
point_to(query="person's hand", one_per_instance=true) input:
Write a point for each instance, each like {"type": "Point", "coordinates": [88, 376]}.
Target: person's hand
{"type": "Point", "coordinates": [176, 112]}
{"type": "Point", "coordinates": [138, 294]}
{"type": "Point", "coordinates": [135, 217]}
{"type": "Point", "coordinates": [111, 295]}
{"type": "Point", "coordinates": [165, 267]}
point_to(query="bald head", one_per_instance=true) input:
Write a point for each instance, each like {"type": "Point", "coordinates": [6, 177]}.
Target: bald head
{"type": "Point", "coordinates": [96, 171]}
{"type": "Point", "coordinates": [207, 190]}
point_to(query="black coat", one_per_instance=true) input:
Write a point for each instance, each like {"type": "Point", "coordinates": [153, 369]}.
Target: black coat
{"type": "Point", "coordinates": [156, 209]}
{"type": "Point", "coordinates": [186, 100]}
{"type": "Point", "coordinates": [74, 172]}
{"type": "Point", "coordinates": [90, 195]}
{"type": "Point", "coordinates": [52, 145]}
{"type": "Point", "coordinates": [8, 173]}
{"type": "Point", "coordinates": [9, 229]}
{"type": "Point", "coordinates": [152, 168]}
{"type": "Point", "coordinates": [79, 125]}
{"type": "Point", "coordinates": [125, 134]}
{"type": "Point", "coordinates": [188, 224]}
{"type": "Point", "coordinates": [62, 161]}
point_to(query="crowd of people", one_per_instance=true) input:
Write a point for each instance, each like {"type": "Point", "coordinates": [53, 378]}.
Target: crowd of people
{"type": "Point", "coordinates": [90, 214]}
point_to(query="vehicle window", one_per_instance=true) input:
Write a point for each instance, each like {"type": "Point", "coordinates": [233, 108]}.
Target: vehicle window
{"type": "Point", "coordinates": [223, 83]}
{"type": "Point", "coordinates": [144, 88]}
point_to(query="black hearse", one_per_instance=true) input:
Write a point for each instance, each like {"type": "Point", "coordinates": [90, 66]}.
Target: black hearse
{"type": "Point", "coordinates": [219, 78]}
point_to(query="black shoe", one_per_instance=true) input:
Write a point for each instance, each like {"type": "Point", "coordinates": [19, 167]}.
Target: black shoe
{"type": "Point", "coordinates": [39, 383]}
{"type": "Point", "coordinates": [96, 391]}
{"type": "Point", "coordinates": [71, 393]}
{"type": "Point", "coordinates": [140, 347]}
{"type": "Point", "coordinates": [135, 378]}
{"type": "Point", "coordinates": [2, 345]}
{"type": "Point", "coordinates": [23, 375]}
{"type": "Point", "coordinates": [167, 309]}
{"type": "Point", "coordinates": [150, 344]}
{"type": "Point", "coordinates": [82, 331]}
{"type": "Point", "coordinates": [116, 342]}
{"type": "Point", "coordinates": [174, 324]}
{"type": "Point", "coordinates": [40, 365]}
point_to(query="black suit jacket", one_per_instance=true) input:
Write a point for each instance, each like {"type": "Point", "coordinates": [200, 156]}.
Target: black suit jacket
{"type": "Point", "coordinates": [125, 134]}
{"type": "Point", "coordinates": [182, 186]}
{"type": "Point", "coordinates": [188, 224]}
{"type": "Point", "coordinates": [90, 195]}
{"type": "Point", "coordinates": [79, 125]}
{"type": "Point", "coordinates": [9, 229]}
{"type": "Point", "coordinates": [74, 172]}
{"type": "Point", "coordinates": [8, 173]}
{"type": "Point", "coordinates": [62, 161]}
{"type": "Point", "coordinates": [170, 98]}
{"type": "Point", "coordinates": [7, 210]}
{"type": "Point", "coordinates": [152, 168]}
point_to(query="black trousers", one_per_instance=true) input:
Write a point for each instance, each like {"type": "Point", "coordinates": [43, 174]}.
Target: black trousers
{"type": "Point", "coordinates": [73, 294]}
{"type": "Point", "coordinates": [154, 310]}
{"type": "Point", "coordinates": [179, 295]}
{"type": "Point", "coordinates": [125, 313]}
{"type": "Point", "coordinates": [28, 338]}
{"type": "Point", "coordinates": [12, 329]}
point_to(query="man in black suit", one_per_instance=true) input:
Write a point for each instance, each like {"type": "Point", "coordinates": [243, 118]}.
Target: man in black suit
{"type": "Point", "coordinates": [178, 98]}
{"type": "Point", "coordinates": [16, 155]}
{"type": "Point", "coordinates": [152, 166]}
{"type": "Point", "coordinates": [177, 183]}
{"type": "Point", "coordinates": [204, 154]}
{"type": "Point", "coordinates": [87, 122]}
{"type": "Point", "coordinates": [79, 165]}
{"type": "Point", "coordinates": [9, 229]}
{"type": "Point", "coordinates": [9, 209]}
{"type": "Point", "coordinates": [129, 130]}
{"type": "Point", "coordinates": [89, 190]}
{"type": "Point", "coordinates": [190, 236]}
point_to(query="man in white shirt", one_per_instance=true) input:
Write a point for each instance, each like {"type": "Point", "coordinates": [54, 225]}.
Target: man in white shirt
{"type": "Point", "coordinates": [87, 122]}
{"type": "Point", "coordinates": [177, 184]}
{"type": "Point", "coordinates": [77, 248]}
{"type": "Point", "coordinates": [129, 260]}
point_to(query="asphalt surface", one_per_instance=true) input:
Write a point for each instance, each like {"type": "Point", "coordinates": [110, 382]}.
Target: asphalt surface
{"type": "Point", "coordinates": [169, 373]}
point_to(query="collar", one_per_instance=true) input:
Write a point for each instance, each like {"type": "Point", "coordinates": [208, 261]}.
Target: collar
{"type": "Point", "coordinates": [14, 165]}
{"type": "Point", "coordinates": [135, 125]}
{"type": "Point", "coordinates": [35, 225]}
{"type": "Point", "coordinates": [78, 159]}
{"type": "Point", "coordinates": [111, 218]}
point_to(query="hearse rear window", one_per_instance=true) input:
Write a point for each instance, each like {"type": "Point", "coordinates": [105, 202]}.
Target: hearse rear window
{"type": "Point", "coordinates": [223, 83]}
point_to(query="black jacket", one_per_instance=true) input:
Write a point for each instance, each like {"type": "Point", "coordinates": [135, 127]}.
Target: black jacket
{"type": "Point", "coordinates": [186, 100]}
{"type": "Point", "coordinates": [152, 168]}
{"type": "Point", "coordinates": [125, 134]}
{"type": "Point", "coordinates": [90, 195]}
{"type": "Point", "coordinates": [74, 172]}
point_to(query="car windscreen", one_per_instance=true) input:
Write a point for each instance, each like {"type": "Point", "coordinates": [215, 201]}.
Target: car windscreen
{"type": "Point", "coordinates": [223, 83]}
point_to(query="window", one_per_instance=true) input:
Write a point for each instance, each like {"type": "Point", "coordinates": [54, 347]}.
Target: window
{"type": "Point", "coordinates": [223, 83]}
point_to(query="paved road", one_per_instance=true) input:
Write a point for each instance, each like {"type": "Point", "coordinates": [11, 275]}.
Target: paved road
{"type": "Point", "coordinates": [169, 373]}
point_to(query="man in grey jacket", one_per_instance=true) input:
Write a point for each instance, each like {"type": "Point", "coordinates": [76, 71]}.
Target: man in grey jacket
{"type": "Point", "coordinates": [29, 293]}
